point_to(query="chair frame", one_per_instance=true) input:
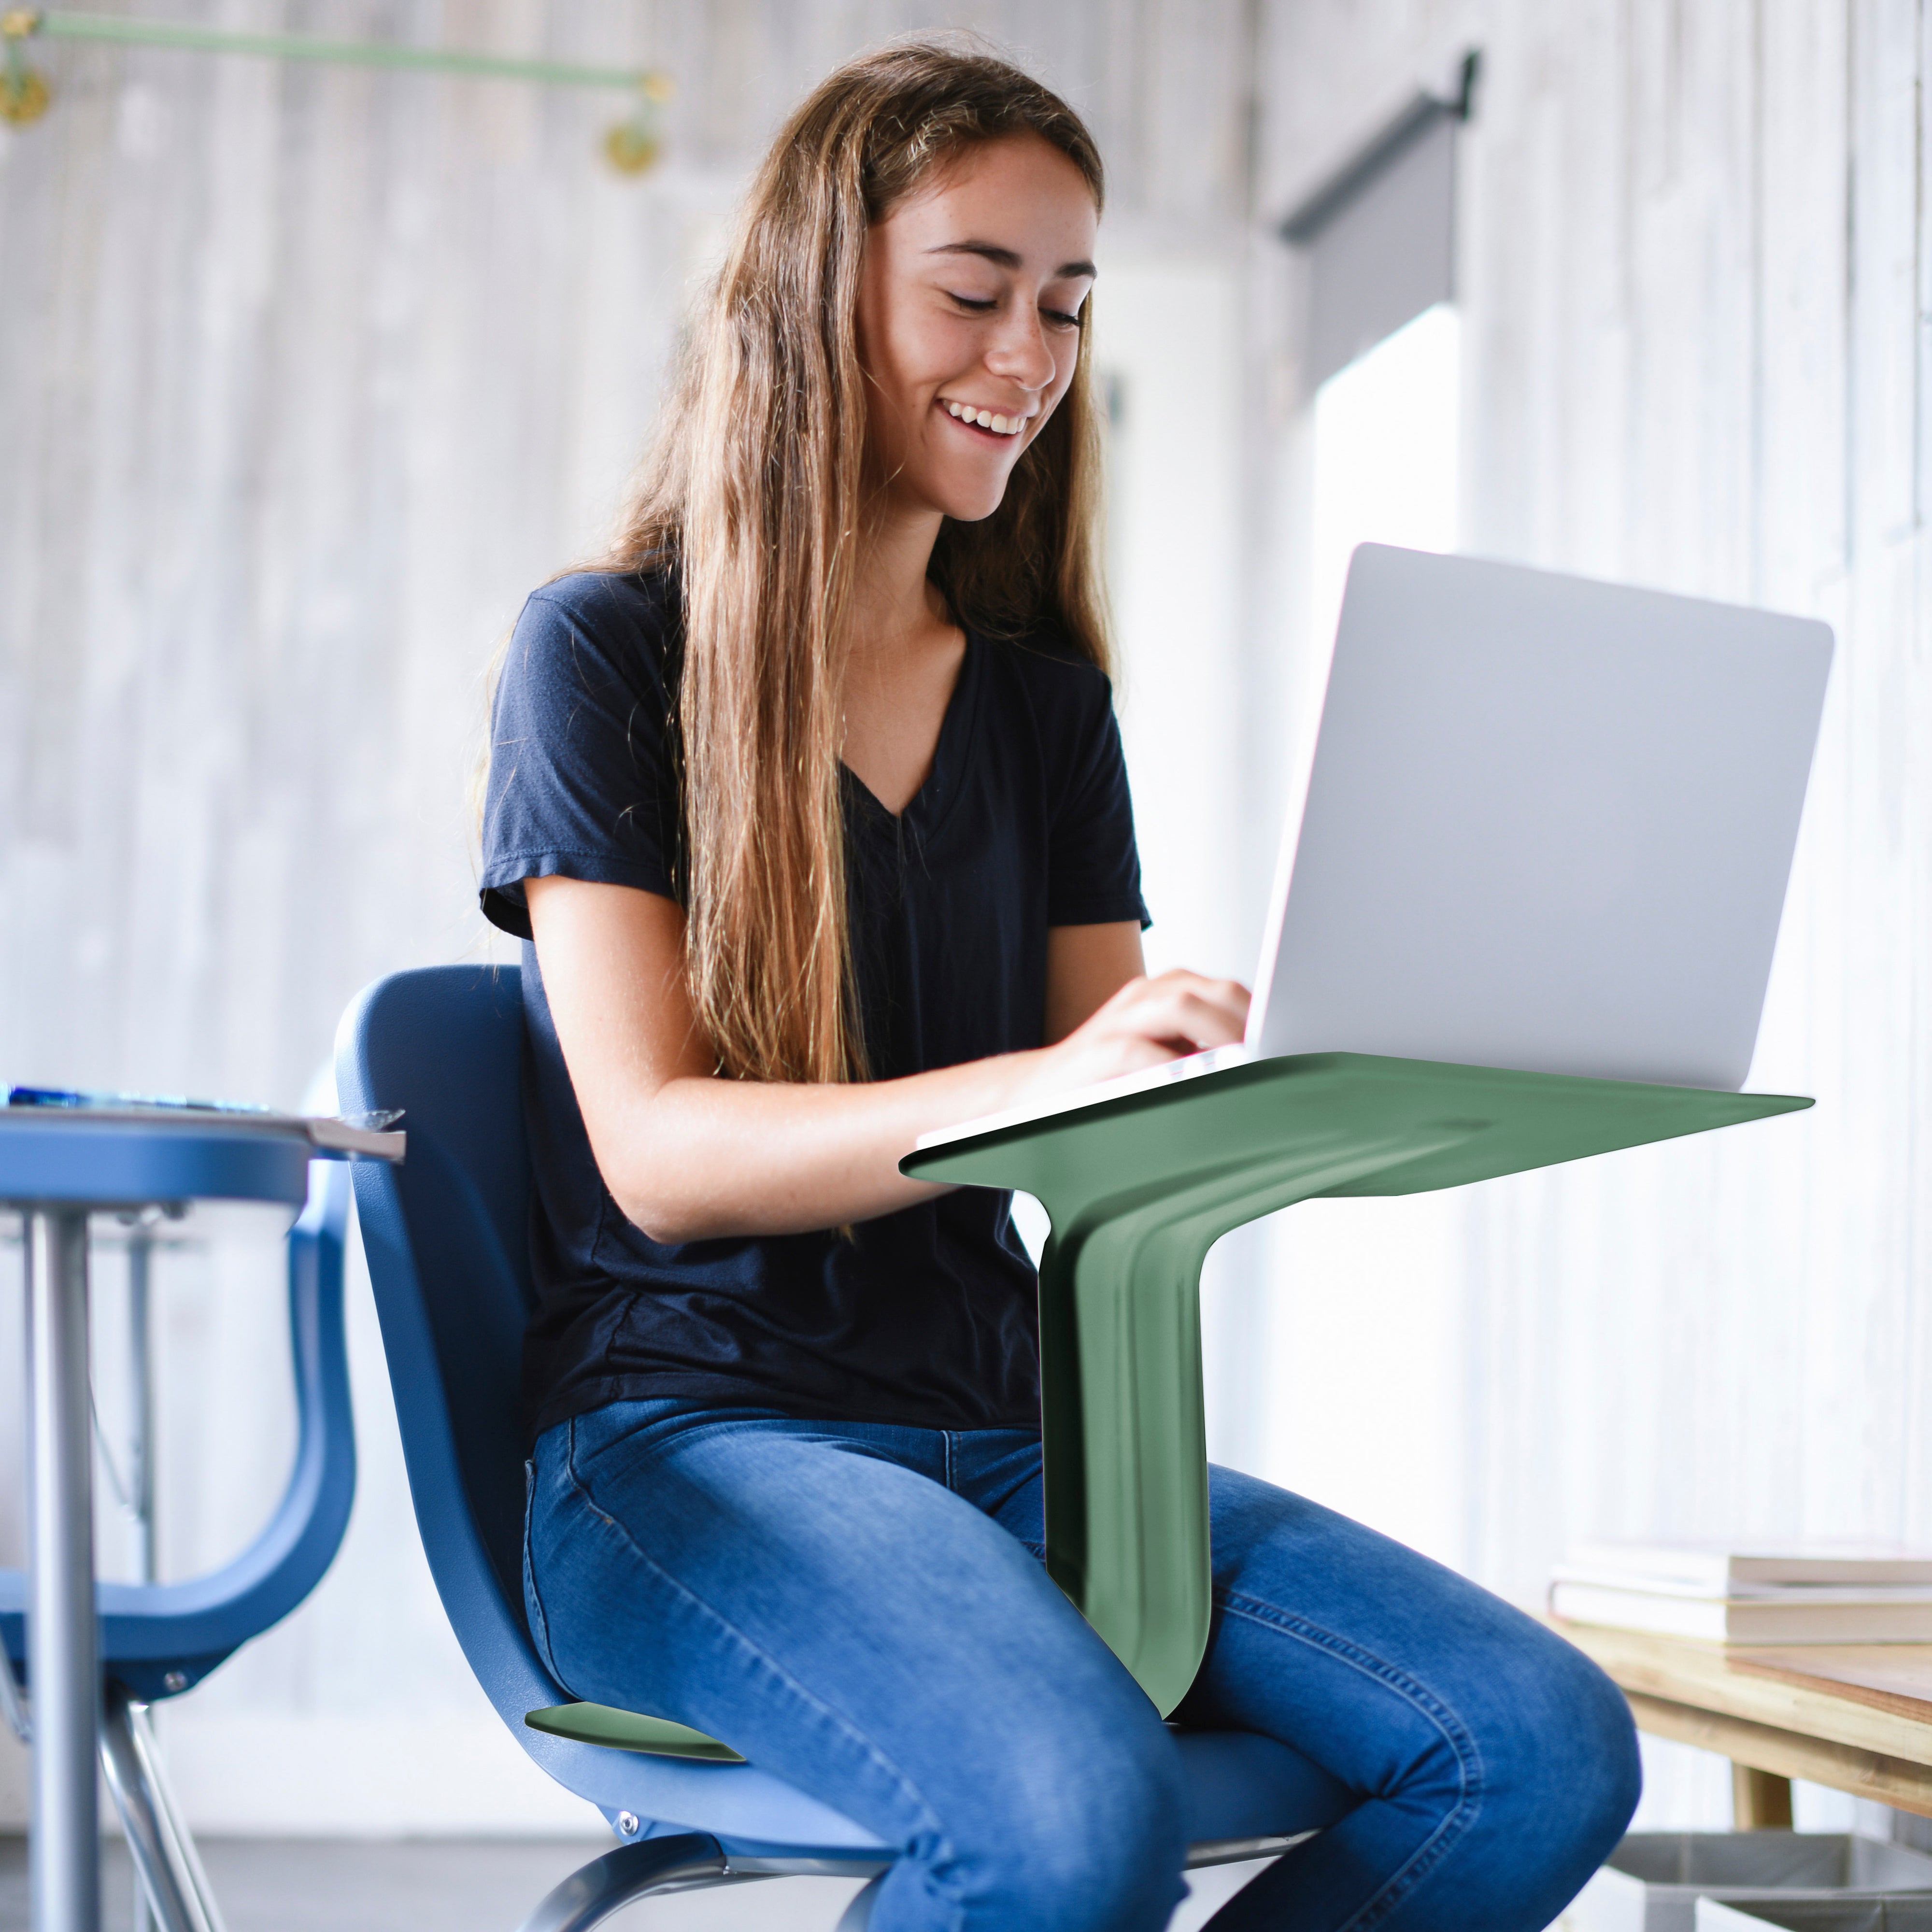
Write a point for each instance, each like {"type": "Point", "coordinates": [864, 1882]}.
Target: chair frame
{"type": "Point", "coordinates": [695, 1861]}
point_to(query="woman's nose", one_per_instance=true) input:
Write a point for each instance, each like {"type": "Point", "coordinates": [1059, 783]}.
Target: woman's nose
{"type": "Point", "coordinates": [1020, 353]}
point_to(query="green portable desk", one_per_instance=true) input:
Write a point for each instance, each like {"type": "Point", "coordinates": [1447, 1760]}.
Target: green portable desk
{"type": "Point", "coordinates": [1140, 1186]}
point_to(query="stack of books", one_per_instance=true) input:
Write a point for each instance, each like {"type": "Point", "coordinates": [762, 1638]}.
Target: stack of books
{"type": "Point", "coordinates": [1784, 1594]}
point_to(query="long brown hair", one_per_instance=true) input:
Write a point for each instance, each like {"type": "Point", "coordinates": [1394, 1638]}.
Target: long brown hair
{"type": "Point", "coordinates": [754, 494]}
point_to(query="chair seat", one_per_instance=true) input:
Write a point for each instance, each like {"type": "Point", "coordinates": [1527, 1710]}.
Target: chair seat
{"type": "Point", "coordinates": [628, 1730]}
{"type": "Point", "coordinates": [1239, 1784]}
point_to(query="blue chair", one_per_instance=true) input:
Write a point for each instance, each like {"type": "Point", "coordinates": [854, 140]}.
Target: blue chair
{"type": "Point", "coordinates": [157, 1640]}
{"type": "Point", "coordinates": [447, 1238]}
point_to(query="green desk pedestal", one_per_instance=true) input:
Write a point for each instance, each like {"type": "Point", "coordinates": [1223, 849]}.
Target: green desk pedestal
{"type": "Point", "coordinates": [1140, 1188]}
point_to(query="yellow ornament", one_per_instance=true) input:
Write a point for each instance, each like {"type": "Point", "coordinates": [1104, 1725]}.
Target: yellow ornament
{"type": "Point", "coordinates": [632, 148]}
{"type": "Point", "coordinates": [24, 96]}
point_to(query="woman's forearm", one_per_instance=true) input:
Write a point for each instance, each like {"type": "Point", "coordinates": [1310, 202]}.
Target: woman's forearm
{"type": "Point", "coordinates": [688, 1156]}
{"type": "Point", "coordinates": [701, 1158]}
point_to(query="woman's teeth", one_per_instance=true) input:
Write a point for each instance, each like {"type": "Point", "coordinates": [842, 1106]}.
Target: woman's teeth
{"type": "Point", "coordinates": [986, 419]}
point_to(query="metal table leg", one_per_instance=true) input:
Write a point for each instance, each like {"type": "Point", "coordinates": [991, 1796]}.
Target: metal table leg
{"type": "Point", "coordinates": [62, 1662]}
{"type": "Point", "coordinates": [141, 1475]}
{"type": "Point", "coordinates": [141, 1423]}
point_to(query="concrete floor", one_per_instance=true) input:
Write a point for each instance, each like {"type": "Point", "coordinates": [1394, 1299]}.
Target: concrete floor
{"type": "Point", "coordinates": [320, 1884]}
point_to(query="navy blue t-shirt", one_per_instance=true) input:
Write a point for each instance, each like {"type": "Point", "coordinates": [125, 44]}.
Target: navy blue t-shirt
{"type": "Point", "coordinates": [926, 1316]}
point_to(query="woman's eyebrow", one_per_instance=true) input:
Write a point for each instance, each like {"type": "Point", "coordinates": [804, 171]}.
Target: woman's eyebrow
{"type": "Point", "coordinates": [1006, 258]}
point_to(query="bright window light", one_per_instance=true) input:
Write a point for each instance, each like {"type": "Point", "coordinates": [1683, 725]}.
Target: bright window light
{"type": "Point", "coordinates": [1366, 1337]}
{"type": "Point", "coordinates": [1386, 455]}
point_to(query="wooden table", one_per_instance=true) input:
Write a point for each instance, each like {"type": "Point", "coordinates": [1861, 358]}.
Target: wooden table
{"type": "Point", "coordinates": [1856, 1717]}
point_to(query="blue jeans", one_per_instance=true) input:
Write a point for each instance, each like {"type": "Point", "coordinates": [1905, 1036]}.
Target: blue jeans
{"type": "Point", "coordinates": [862, 1610]}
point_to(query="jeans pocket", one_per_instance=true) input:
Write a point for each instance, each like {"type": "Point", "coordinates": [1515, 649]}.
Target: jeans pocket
{"type": "Point", "coordinates": [533, 1608]}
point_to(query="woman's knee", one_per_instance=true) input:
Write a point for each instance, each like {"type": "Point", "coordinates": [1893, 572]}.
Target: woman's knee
{"type": "Point", "coordinates": [1086, 1830]}
{"type": "Point", "coordinates": [1578, 1774]}
{"type": "Point", "coordinates": [1607, 1734]}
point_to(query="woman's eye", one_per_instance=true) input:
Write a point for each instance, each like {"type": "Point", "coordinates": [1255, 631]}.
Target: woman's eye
{"type": "Point", "coordinates": [1060, 319]}
{"type": "Point", "coordinates": [977, 307]}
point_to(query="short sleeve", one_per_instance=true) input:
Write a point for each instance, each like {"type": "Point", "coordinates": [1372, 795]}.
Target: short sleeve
{"type": "Point", "coordinates": [583, 778]}
{"type": "Point", "coordinates": [1094, 866]}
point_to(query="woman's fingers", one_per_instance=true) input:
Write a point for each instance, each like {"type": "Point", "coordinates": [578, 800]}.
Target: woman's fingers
{"type": "Point", "coordinates": [1148, 1021]}
{"type": "Point", "coordinates": [1181, 1005]}
{"type": "Point", "coordinates": [1145, 1023]}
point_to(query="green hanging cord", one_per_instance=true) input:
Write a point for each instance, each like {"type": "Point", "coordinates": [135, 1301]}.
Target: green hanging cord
{"type": "Point", "coordinates": [633, 146]}
{"type": "Point", "coordinates": [62, 25]}
{"type": "Point", "coordinates": [24, 92]}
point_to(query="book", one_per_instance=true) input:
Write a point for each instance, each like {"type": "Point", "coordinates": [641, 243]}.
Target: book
{"type": "Point", "coordinates": [372, 1135]}
{"type": "Point", "coordinates": [1819, 1613]}
{"type": "Point", "coordinates": [1742, 1569]}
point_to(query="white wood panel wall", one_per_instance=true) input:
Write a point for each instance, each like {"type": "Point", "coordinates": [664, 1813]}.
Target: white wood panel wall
{"type": "Point", "coordinates": [307, 376]}
{"type": "Point", "coordinates": [1694, 267]}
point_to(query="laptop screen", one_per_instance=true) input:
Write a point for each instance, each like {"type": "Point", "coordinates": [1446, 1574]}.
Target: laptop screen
{"type": "Point", "coordinates": [1549, 825]}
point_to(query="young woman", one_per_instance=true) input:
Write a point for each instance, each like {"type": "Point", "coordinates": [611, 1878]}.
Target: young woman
{"type": "Point", "coordinates": [810, 804]}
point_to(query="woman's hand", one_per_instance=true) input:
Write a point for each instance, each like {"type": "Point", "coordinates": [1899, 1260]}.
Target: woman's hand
{"type": "Point", "coordinates": [1145, 1022]}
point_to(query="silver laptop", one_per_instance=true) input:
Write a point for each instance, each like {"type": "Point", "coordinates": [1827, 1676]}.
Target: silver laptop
{"type": "Point", "coordinates": [1548, 826]}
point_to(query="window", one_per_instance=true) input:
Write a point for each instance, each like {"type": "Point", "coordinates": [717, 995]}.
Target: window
{"type": "Point", "coordinates": [1386, 455]}
{"type": "Point", "coordinates": [1365, 1323]}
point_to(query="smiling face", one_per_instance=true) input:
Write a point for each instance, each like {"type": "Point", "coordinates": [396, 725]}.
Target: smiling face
{"type": "Point", "coordinates": [969, 322]}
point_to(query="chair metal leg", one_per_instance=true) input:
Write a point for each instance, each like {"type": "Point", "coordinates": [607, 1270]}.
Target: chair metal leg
{"type": "Point", "coordinates": [166, 1864]}
{"type": "Point", "coordinates": [141, 1723]}
{"type": "Point", "coordinates": [593, 1892]}
{"type": "Point", "coordinates": [690, 1861]}
{"type": "Point", "coordinates": [858, 1915]}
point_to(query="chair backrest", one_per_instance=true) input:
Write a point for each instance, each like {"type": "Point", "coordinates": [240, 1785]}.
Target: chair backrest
{"type": "Point", "coordinates": [446, 1236]}
{"type": "Point", "coordinates": [160, 1638]}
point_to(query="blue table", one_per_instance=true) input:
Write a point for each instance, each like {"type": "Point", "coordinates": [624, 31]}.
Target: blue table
{"type": "Point", "coordinates": [56, 1169]}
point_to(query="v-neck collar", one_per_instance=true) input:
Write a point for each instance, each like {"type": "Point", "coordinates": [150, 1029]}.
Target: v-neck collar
{"type": "Point", "coordinates": [926, 810]}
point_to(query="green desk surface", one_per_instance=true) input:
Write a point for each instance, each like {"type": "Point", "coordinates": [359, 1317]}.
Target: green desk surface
{"type": "Point", "coordinates": [1139, 1188]}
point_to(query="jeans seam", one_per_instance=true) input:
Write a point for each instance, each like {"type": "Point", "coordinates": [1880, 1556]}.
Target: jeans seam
{"type": "Point", "coordinates": [1455, 1733]}
{"type": "Point", "coordinates": [533, 1596]}
{"type": "Point", "coordinates": [943, 1846]}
